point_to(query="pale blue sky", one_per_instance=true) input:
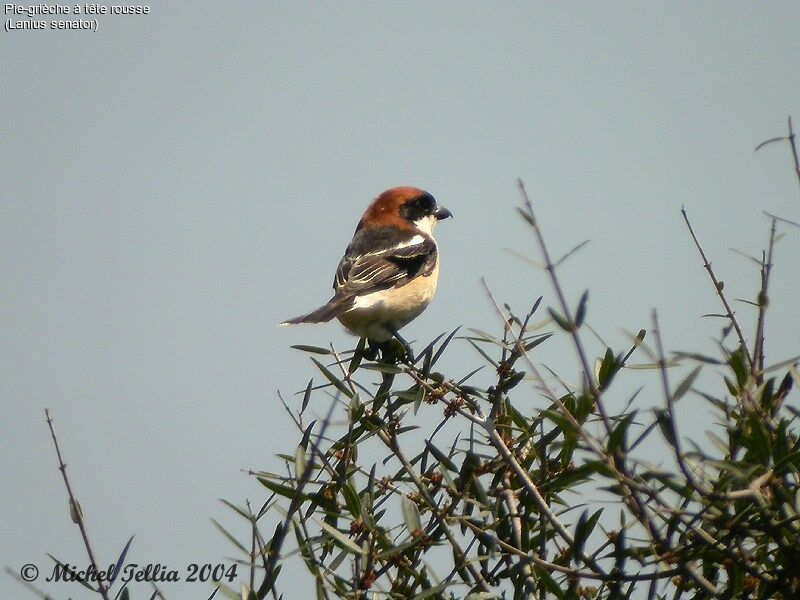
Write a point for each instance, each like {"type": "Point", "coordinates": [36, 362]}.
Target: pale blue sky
{"type": "Point", "coordinates": [177, 183]}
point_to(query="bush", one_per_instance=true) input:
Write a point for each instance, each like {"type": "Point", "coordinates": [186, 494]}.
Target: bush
{"type": "Point", "coordinates": [486, 506]}
{"type": "Point", "coordinates": [494, 502]}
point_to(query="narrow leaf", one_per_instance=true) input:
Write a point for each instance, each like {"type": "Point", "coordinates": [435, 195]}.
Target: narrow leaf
{"type": "Point", "coordinates": [410, 514]}
{"type": "Point", "coordinates": [685, 385]}
{"type": "Point", "coordinates": [306, 396]}
{"type": "Point", "coordinates": [230, 537]}
{"type": "Point", "coordinates": [337, 383]}
{"type": "Point", "coordinates": [341, 538]}
{"type": "Point", "coordinates": [444, 345]}
{"type": "Point", "coordinates": [561, 321]}
{"type": "Point", "coordinates": [311, 349]}
{"type": "Point", "coordinates": [120, 562]}
{"type": "Point", "coordinates": [580, 313]}
{"type": "Point", "coordinates": [300, 462]}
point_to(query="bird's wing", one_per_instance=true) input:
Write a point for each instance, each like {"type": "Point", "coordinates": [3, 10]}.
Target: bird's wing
{"type": "Point", "coordinates": [370, 265]}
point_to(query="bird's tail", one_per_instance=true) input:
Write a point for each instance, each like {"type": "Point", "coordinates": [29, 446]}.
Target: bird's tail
{"type": "Point", "coordinates": [323, 314]}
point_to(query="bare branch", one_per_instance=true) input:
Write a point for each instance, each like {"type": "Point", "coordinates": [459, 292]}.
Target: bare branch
{"type": "Point", "coordinates": [718, 287]}
{"type": "Point", "coordinates": [75, 509]}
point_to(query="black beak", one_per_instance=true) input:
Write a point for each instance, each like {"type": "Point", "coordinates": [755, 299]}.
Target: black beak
{"type": "Point", "coordinates": [441, 213]}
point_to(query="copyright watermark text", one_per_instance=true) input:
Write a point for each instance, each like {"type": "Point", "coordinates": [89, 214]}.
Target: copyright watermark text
{"type": "Point", "coordinates": [133, 572]}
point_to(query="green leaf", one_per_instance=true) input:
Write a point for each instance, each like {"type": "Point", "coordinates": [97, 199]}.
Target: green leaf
{"type": "Point", "coordinates": [583, 529]}
{"type": "Point", "coordinates": [539, 339]}
{"type": "Point", "coordinates": [792, 459]}
{"type": "Point", "coordinates": [341, 539]}
{"type": "Point", "coordinates": [358, 356]}
{"type": "Point", "coordinates": [580, 313]}
{"type": "Point", "coordinates": [337, 383]}
{"type": "Point", "coordinates": [685, 385]}
{"type": "Point", "coordinates": [664, 419]}
{"type": "Point", "coordinates": [443, 459]}
{"type": "Point", "coordinates": [480, 492]}
{"type": "Point", "coordinates": [228, 592]}
{"type": "Point", "coordinates": [68, 569]}
{"type": "Point", "coordinates": [307, 434]}
{"type": "Point", "coordinates": [561, 321]}
{"type": "Point", "coordinates": [351, 500]}
{"type": "Point", "coordinates": [431, 591]}
{"type": "Point", "coordinates": [410, 514]}
{"type": "Point", "coordinates": [395, 550]}
{"type": "Point", "coordinates": [698, 357]}
{"type": "Point", "coordinates": [383, 368]}
{"type": "Point", "coordinates": [736, 362]}
{"type": "Point", "coordinates": [487, 337]}
{"type": "Point", "coordinates": [247, 593]}
{"type": "Point", "coordinates": [550, 584]}
{"type": "Point", "coordinates": [282, 490]}
{"type": "Point", "coordinates": [444, 345]}
{"type": "Point", "coordinates": [760, 439]}
{"type": "Point", "coordinates": [620, 547]}
{"type": "Point", "coordinates": [519, 419]}
{"type": "Point", "coordinates": [300, 462]}
{"type": "Point", "coordinates": [356, 408]}
{"type": "Point", "coordinates": [311, 349]}
{"type": "Point", "coordinates": [483, 353]}
{"type": "Point", "coordinates": [230, 537]}
{"type": "Point", "coordinates": [306, 395]}
{"type": "Point", "coordinates": [606, 369]}
{"type": "Point", "coordinates": [120, 562]}
{"type": "Point", "coordinates": [569, 479]}
{"type": "Point", "coordinates": [782, 364]}
{"type": "Point", "coordinates": [527, 217]}
{"type": "Point", "coordinates": [514, 380]}
{"type": "Point", "coordinates": [75, 511]}
{"type": "Point", "coordinates": [242, 512]}
{"type": "Point", "coordinates": [619, 435]}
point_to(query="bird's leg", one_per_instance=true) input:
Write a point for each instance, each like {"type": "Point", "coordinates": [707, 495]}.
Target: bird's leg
{"type": "Point", "coordinates": [406, 345]}
{"type": "Point", "coordinates": [371, 350]}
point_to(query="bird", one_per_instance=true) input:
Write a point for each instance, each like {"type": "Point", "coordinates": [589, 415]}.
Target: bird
{"type": "Point", "coordinates": [389, 271]}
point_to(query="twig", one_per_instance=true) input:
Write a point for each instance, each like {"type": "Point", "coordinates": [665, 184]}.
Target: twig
{"type": "Point", "coordinates": [75, 508]}
{"type": "Point", "coordinates": [794, 149]}
{"type": "Point", "coordinates": [550, 267]}
{"type": "Point", "coordinates": [391, 443]}
{"type": "Point", "coordinates": [675, 443]}
{"type": "Point", "coordinates": [280, 535]}
{"type": "Point", "coordinates": [718, 287]}
{"type": "Point", "coordinates": [158, 594]}
{"type": "Point", "coordinates": [253, 542]}
{"type": "Point", "coordinates": [792, 145]}
{"type": "Point", "coordinates": [32, 588]}
{"type": "Point", "coordinates": [763, 301]}
{"type": "Point", "coordinates": [571, 571]}
{"type": "Point", "coordinates": [781, 219]}
{"type": "Point", "coordinates": [508, 458]}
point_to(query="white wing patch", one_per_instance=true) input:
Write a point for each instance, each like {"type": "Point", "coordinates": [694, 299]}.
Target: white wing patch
{"type": "Point", "coordinates": [417, 239]}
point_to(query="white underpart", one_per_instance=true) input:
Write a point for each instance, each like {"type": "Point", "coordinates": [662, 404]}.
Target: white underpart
{"type": "Point", "coordinates": [425, 224]}
{"type": "Point", "coordinates": [393, 307]}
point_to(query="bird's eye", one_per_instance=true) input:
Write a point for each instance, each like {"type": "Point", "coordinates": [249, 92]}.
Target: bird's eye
{"type": "Point", "coordinates": [426, 203]}
{"type": "Point", "coordinates": [418, 208]}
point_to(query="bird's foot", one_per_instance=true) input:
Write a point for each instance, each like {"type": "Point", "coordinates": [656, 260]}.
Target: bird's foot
{"type": "Point", "coordinates": [409, 354]}
{"type": "Point", "coordinates": [370, 352]}
{"type": "Point", "coordinates": [393, 352]}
